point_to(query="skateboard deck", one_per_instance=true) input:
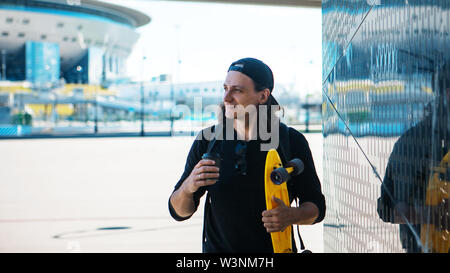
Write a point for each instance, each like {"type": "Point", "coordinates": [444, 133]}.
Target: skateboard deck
{"type": "Point", "coordinates": [436, 239]}
{"type": "Point", "coordinates": [282, 240]}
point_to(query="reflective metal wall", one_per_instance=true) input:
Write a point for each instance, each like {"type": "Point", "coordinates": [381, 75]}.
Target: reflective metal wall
{"type": "Point", "coordinates": [386, 79]}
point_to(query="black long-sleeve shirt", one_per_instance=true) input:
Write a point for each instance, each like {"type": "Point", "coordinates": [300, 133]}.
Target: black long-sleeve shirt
{"type": "Point", "coordinates": [234, 205]}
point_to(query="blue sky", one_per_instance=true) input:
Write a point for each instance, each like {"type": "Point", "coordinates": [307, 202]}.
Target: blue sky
{"type": "Point", "coordinates": [207, 37]}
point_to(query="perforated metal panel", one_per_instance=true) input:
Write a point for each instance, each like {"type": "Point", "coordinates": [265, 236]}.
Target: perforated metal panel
{"type": "Point", "coordinates": [386, 125]}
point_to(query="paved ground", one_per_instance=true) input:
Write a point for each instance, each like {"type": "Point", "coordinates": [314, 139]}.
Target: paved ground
{"type": "Point", "coordinates": [102, 195]}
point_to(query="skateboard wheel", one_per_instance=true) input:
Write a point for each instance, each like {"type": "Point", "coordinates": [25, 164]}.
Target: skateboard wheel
{"type": "Point", "coordinates": [298, 166]}
{"type": "Point", "coordinates": [279, 176]}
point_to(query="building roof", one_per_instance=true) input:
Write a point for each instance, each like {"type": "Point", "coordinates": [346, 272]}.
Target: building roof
{"type": "Point", "coordinates": [139, 18]}
{"type": "Point", "coordinates": [292, 3]}
{"type": "Point", "coordinates": [113, 12]}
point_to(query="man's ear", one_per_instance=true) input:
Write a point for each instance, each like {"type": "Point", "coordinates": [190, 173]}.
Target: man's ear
{"type": "Point", "coordinates": [264, 95]}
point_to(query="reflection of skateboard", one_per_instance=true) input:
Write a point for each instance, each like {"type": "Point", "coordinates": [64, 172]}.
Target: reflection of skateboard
{"type": "Point", "coordinates": [435, 238]}
{"type": "Point", "coordinates": [274, 177]}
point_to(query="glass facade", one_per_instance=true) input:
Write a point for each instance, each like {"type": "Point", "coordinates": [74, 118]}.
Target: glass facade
{"type": "Point", "coordinates": [42, 63]}
{"type": "Point", "coordinates": [386, 89]}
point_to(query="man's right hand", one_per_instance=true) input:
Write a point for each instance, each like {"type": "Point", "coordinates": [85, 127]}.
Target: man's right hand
{"type": "Point", "coordinates": [203, 174]}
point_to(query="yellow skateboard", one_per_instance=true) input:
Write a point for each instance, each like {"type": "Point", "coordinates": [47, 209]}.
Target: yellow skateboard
{"type": "Point", "coordinates": [435, 238]}
{"type": "Point", "coordinates": [275, 175]}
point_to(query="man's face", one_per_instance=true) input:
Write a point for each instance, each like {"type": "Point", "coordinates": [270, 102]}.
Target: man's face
{"type": "Point", "coordinates": [240, 90]}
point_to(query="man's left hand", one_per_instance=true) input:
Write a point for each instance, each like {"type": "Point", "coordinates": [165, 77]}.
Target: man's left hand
{"type": "Point", "coordinates": [279, 218]}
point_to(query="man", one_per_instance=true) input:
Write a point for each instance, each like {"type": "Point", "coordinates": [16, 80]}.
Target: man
{"type": "Point", "coordinates": [409, 172]}
{"type": "Point", "coordinates": [235, 218]}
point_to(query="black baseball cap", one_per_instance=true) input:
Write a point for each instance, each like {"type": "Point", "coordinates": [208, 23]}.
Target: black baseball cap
{"type": "Point", "coordinates": [256, 70]}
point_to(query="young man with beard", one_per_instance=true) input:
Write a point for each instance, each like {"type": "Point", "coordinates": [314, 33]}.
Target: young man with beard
{"type": "Point", "coordinates": [235, 218]}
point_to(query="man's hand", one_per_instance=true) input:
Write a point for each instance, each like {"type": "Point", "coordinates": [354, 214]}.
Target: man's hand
{"type": "Point", "coordinates": [279, 218]}
{"type": "Point", "coordinates": [203, 174]}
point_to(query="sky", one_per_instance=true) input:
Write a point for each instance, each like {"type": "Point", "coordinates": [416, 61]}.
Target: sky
{"type": "Point", "coordinates": [197, 42]}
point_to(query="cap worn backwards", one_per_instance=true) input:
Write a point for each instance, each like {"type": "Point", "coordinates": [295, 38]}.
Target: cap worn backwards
{"type": "Point", "coordinates": [256, 70]}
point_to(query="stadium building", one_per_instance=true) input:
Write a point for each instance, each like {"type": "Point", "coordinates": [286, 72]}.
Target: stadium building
{"type": "Point", "coordinates": [85, 42]}
{"type": "Point", "coordinates": [73, 46]}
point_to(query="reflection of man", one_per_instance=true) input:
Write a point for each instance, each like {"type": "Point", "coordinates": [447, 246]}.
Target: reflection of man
{"type": "Point", "coordinates": [235, 219]}
{"type": "Point", "coordinates": [409, 188]}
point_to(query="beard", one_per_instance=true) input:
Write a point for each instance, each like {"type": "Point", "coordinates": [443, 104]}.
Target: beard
{"type": "Point", "coordinates": [230, 112]}
{"type": "Point", "coordinates": [239, 112]}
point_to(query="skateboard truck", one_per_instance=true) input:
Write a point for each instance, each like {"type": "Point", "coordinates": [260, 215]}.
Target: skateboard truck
{"type": "Point", "coordinates": [283, 174]}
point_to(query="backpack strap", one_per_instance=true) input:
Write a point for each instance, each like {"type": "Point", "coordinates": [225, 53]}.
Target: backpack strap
{"type": "Point", "coordinates": [284, 149]}
{"type": "Point", "coordinates": [285, 144]}
{"type": "Point", "coordinates": [285, 152]}
{"type": "Point", "coordinates": [216, 129]}
{"type": "Point", "coordinates": [212, 141]}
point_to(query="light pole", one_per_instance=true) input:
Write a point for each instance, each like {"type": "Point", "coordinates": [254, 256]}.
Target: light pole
{"type": "Point", "coordinates": [142, 108]}
{"type": "Point", "coordinates": [3, 52]}
{"type": "Point", "coordinates": [142, 97]}
{"type": "Point", "coordinates": [172, 91]}
{"type": "Point", "coordinates": [172, 106]}
{"type": "Point", "coordinates": [96, 111]}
